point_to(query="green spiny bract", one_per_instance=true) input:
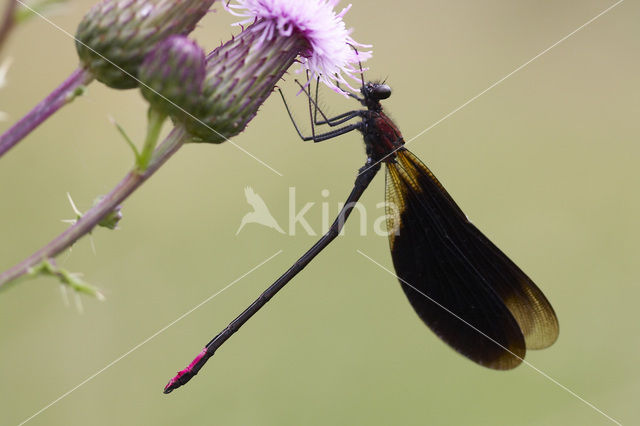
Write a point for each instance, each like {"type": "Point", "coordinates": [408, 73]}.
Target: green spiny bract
{"type": "Point", "coordinates": [241, 74]}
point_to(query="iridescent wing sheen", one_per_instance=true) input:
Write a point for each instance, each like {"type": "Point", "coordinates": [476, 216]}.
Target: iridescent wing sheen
{"type": "Point", "coordinates": [459, 283]}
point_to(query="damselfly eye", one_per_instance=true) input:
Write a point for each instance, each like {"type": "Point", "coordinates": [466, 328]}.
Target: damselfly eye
{"type": "Point", "coordinates": [381, 91]}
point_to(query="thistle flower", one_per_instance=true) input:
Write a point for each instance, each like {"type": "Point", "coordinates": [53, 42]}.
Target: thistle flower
{"type": "Point", "coordinates": [172, 75]}
{"type": "Point", "coordinates": [243, 72]}
{"type": "Point", "coordinates": [331, 54]}
{"type": "Point", "coordinates": [115, 35]}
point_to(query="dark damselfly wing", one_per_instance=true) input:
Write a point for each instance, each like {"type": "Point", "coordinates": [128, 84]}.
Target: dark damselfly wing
{"type": "Point", "coordinates": [490, 311]}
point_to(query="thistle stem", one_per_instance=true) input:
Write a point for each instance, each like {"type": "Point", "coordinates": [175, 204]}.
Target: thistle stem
{"type": "Point", "coordinates": [62, 95]}
{"type": "Point", "coordinates": [155, 121]}
{"type": "Point", "coordinates": [92, 217]}
{"type": "Point", "coordinates": [8, 21]}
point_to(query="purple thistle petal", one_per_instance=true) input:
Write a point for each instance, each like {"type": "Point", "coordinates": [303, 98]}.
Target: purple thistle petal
{"type": "Point", "coordinates": [331, 56]}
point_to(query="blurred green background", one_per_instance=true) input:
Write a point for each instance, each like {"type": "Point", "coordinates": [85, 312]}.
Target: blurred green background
{"type": "Point", "coordinates": [545, 164]}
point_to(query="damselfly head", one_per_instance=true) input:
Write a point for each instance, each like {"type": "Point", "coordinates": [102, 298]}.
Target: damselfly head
{"type": "Point", "coordinates": [381, 91]}
{"type": "Point", "coordinates": [373, 93]}
{"type": "Point", "coordinates": [376, 91]}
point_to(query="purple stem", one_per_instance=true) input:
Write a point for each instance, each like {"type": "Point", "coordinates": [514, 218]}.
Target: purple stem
{"type": "Point", "coordinates": [52, 103]}
{"type": "Point", "coordinates": [90, 219]}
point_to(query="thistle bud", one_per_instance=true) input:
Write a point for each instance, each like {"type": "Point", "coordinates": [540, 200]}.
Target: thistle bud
{"type": "Point", "coordinates": [115, 36]}
{"type": "Point", "coordinates": [243, 72]}
{"type": "Point", "coordinates": [171, 76]}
